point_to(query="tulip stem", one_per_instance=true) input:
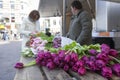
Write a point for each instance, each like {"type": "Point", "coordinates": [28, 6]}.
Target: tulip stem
{"type": "Point", "coordinates": [30, 63]}
{"type": "Point", "coordinates": [67, 52]}
{"type": "Point", "coordinates": [115, 59]}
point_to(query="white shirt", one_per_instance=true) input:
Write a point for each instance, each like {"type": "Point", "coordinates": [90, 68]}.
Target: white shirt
{"type": "Point", "coordinates": [29, 26]}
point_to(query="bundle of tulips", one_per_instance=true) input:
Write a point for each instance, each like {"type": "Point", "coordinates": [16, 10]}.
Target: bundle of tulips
{"type": "Point", "coordinates": [37, 41]}
{"type": "Point", "coordinates": [105, 61]}
{"type": "Point", "coordinates": [38, 35]}
{"type": "Point", "coordinates": [57, 42]}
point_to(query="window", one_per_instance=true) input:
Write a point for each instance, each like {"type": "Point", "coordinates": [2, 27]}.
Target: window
{"type": "Point", "coordinates": [12, 4]}
{"type": "Point", "coordinates": [12, 19]}
{"type": "Point", "coordinates": [6, 19]}
{"type": "Point", "coordinates": [1, 14]}
{"type": "Point", "coordinates": [22, 7]}
{"type": "Point", "coordinates": [12, 14]}
{"type": "Point", "coordinates": [1, 4]}
{"type": "Point", "coordinates": [22, 18]}
{"type": "Point", "coordinates": [1, 20]}
{"type": "Point", "coordinates": [54, 22]}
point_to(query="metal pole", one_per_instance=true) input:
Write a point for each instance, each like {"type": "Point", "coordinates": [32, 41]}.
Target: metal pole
{"type": "Point", "coordinates": [92, 12]}
{"type": "Point", "coordinates": [64, 18]}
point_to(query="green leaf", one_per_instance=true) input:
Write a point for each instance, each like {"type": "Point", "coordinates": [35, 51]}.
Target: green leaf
{"type": "Point", "coordinates": [27, 53]}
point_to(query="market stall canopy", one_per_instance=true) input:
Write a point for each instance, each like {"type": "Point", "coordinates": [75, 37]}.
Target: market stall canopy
{"type": "Point", "coordinates": [50, 8]}
{"type": "Point", "coordinates": [113, 0]}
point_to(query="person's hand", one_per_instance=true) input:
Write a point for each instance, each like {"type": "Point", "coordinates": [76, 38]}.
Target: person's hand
{"type": "Point", "coordinates": [28, 44]}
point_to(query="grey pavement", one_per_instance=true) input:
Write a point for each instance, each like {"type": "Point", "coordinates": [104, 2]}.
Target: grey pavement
{"type": "Point", "coordinates": [9, 55]}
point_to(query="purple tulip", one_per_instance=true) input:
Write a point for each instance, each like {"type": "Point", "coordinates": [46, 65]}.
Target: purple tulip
{"type": "Point", "coordinates": [81, 71]}
{"type": "Point", "coordinates": [38, 60]}
{"type": "Point", "coordinates": [85, 59]}
{"type": "Point", "coordinates": [113, 53]}
{"type": "Point", "coordinates": [61, 51]}
{"type": "Point", "coordinates": [56, 46]}
{"type": "Point", "coordinates": [93, 51]}
{"type": "Point", "coordinates": [56, 61]}
{"type": "Point", "coordinates": [40, 51]}
{"type": "Point", "coordinates": [54, 55]}
{"type": "Point", "coordinates": [50, 65]}
{"type": "Point", "coordinates": [19, 65]}
{"type": "Point", "coordinates": [47, 55]}
{"type": "Point", "coordinates": [116, 69]}
{"type": "Point", "coordinates": [75, 68]}
{"type": "Point", "coordinates": [57, 42]}
{"type": "Point", "coordinates": [61, 65]}
{"type": "Point", "coordinates": [80, 63]}
{"type": "Point", "coordinates": [103, 57]}
{"type": "Point", "coordinates": [74, 57]}
{"type": "Point", "coordinates": [106, 72]}
{"type": "Point", "coordinates": [43, 63]}
{"type": "Point", "coordinates": [66, 67]}
{"type": "Point", "coordinates": [49, 60]}
{"type": "Point", "coordinates": [92, 58]}
{"type": "Point", "coordinates": [40, 56]}
{"type": "Point", "coordinates": [105, 48]}
{"type": "Point", "coordinates": [71, 63]}
{"type": "Point", "coordinates": [67, 58]}
{"type": "Point", "coordinates": [61, 55]}
{"type": "Point", "coordinates": [91, 65]}
{"type": "Point", "coordinates": [100, 64]}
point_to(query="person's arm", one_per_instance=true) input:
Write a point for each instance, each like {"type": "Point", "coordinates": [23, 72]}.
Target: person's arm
{"type": "Point", "coordinates": [38, 26]}
{"type": "Point", "coordinates": [86, 24]}
{"type": "Point", "coordinates": [68, 34]}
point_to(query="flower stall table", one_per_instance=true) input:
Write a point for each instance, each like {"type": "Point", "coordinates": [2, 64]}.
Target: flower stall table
{"type": "Point", "coordinates": [42, 73]}
{"type": "Point", "coordinates": [39, 73]}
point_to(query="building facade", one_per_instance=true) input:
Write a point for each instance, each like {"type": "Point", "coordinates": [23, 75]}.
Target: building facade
{"type": "Point", "coordinates": [12, 12]}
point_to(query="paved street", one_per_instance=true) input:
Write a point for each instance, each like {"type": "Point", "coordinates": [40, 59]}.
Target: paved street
{"type": "Point", "coordinates": [9, 55]}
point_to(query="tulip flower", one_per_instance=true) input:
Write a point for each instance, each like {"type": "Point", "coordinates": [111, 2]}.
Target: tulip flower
{"type": "Point", "coordinates": [19, 65]}
{"type": "Point", "coordinates": [116, 69]}
{"type": "Point", "coordinates": [50, 65]}
{"type": "Point", "coordinates": [81, 70]}
{"type": "Point", "coordinates": [106, 72]}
